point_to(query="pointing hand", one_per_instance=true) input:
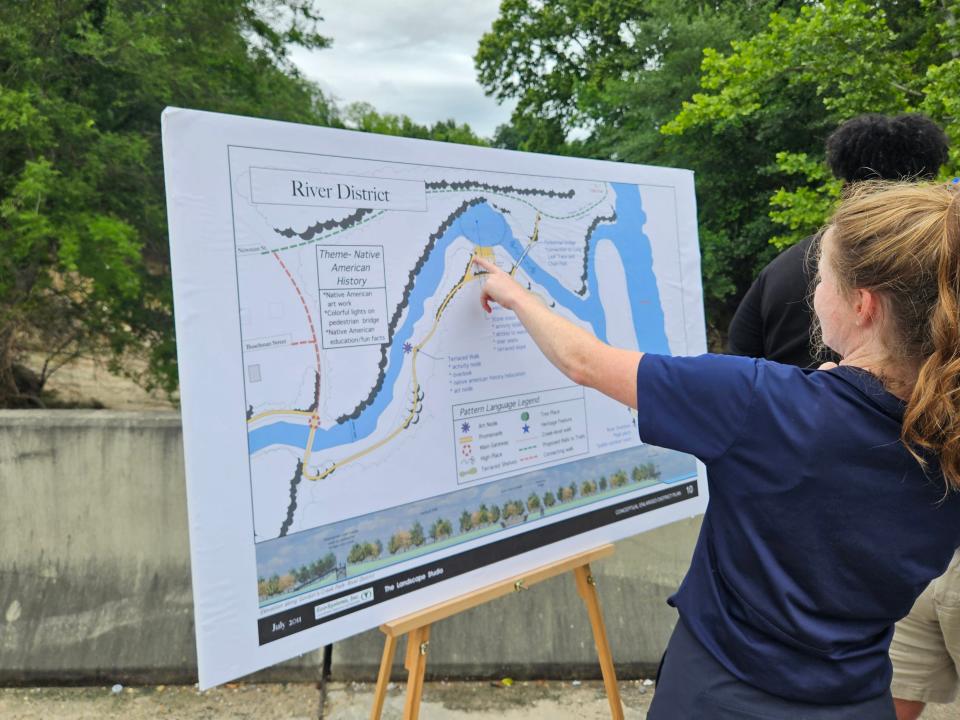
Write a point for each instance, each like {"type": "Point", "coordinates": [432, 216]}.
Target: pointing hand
{"type": "Point", "coordinates": [498, 287]}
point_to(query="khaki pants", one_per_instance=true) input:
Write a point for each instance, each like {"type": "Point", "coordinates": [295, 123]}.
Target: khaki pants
{"type": "Point", "coordinates": [926, 644]}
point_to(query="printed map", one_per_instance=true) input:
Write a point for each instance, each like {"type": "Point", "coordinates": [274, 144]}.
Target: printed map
{"type": "Point", "coordinates": [387, 414]}
{"type": "Point", "coordinates": [361, 440]}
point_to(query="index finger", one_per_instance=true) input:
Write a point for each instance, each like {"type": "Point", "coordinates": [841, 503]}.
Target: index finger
{"type": "Point", "coordinates": [486, 264]}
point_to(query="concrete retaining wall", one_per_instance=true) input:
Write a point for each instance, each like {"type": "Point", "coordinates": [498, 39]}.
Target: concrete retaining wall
{"type": "Point", "coordinates": [95, 573]}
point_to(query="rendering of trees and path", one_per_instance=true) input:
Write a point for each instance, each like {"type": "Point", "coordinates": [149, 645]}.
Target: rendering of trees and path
{"type": "Point", "coordinates": [408, 542]}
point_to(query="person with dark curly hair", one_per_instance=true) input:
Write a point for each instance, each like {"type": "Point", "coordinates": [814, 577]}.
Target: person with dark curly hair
{"type": "Point", "coordinates": [774, 318]}
{"type": "Point", "coordinates": [880, 147]}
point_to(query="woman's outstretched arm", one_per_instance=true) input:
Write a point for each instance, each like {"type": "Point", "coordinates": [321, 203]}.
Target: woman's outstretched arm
{"type": "Point", "coordinates": [576, 353]}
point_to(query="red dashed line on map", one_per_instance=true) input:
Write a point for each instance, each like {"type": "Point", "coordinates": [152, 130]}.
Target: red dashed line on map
{"type": "Point", "coordinates": [313, 332]}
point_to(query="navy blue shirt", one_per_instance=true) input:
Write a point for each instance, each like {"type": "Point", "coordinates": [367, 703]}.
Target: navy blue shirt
{"type": "Point", "coordinates": [821, 528]}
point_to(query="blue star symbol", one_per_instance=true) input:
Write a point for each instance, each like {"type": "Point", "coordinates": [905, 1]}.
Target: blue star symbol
{"type": "Point", "coordinates": [465, 428]}
{"type": "Point", "coordinates": [526, 428]}
{"type": "Point", "coordinates": [407, 347]}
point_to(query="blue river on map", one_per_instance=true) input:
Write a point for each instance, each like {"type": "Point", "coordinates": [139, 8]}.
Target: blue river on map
{"type": "Point", "coordinates": [483, 225]}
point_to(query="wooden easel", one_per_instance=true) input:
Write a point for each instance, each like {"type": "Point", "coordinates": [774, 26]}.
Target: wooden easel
{"type": "Point", "coordinates": [416, 627]}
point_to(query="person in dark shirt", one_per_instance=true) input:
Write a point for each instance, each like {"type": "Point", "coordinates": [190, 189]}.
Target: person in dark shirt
{"type": "Point", "coordinates": [833, 496]}
{"type": "Point", "coordinates": [774, 318]}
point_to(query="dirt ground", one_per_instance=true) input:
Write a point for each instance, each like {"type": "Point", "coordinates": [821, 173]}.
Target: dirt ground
{"type": "Point", "coordinates": [89, 383]}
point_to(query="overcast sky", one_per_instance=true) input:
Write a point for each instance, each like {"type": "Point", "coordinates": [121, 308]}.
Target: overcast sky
{"type": "Point", "coordinates": [407, 56]}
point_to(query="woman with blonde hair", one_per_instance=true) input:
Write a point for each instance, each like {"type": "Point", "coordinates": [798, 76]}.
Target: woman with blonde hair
{"type": "Point", "coordinates": [832, 500]}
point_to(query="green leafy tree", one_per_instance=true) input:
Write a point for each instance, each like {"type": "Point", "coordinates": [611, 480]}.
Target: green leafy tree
{"type": "Point", "coordinates": [494, 513]}
{"type": "Point", "coordinates": [512, 508]}
{"type": "Point", "coordinates": [549, 500]}
{"type": "Point", "coordinates": [357, 554]}
{"type": "Point", "coordinates": [617, 71]}
{"type": "Point", "coordinates": [416, 534]}
{"type": "Point", "coordinates": [603, 483]}
{"type": "Point", "coordinates": [552, 57]}
{"type": "Point", "coordinates": [400, 541]}
{"type": "Point", "coordinates": [84, 265]}
{"type": "Point", "coordinates": [440, 529]}
{"type": "Point", "coordinates": [466, 523]}
{"type": "Point", "coordinates": [905, 60]}
{"type": "Point", "coordinates": [533, 502]}
{"type": "Point", "coordinates": [273, 585]}
{"type": "Point", "coordinates": [364, 117]}
{"type": "Point", "coordinates": [321, 567]}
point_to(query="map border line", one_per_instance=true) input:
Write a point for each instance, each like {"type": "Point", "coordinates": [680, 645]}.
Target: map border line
{"type": "Point", "coordinates": [231, 146]}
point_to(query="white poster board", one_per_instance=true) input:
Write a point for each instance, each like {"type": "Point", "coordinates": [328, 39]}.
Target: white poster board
{"type": "Point", "coordinates": [361, 439]}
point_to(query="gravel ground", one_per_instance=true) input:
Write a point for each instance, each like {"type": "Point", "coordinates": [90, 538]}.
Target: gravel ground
{"type": "Point", "coordinates": [345, 701]}
{"type": "Point", "coordinates": [546, 700]}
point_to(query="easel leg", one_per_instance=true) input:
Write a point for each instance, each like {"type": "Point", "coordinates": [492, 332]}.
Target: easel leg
{"type": "Point", "coordinates": [416, 664]}
{"type": "Point", "coordinates": [383, 679]}
{"type": "Point", "coordinates": [588, 592]}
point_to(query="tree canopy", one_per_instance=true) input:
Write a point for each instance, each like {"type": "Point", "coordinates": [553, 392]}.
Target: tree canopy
{"type": "Point", "coordinates": [848, 57]}
{"type": "Point", "coordinates": [743, 93]}
{"type": "Point", "coordinates": [83, 247]}
{"type": "Point", "coordinates": [364, 117]}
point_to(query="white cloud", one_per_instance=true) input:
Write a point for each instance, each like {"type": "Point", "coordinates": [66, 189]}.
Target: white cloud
{"type": "Point", "coordinates": [414, 58]}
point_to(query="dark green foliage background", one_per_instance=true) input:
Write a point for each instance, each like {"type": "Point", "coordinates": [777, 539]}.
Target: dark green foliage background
{"type": "Point", "coordinates": [744, 92]}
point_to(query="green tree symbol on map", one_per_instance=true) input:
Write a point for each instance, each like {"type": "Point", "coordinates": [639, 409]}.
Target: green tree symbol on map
{"type": "Point", "coordinates": [416, 534]}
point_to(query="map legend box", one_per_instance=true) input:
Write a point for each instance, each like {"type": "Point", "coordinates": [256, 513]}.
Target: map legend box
{"type": "Point", "coordinates": [512, 434]}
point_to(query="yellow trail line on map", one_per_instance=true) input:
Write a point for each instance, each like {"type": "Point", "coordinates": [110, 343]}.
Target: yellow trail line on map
{"type": "Point", "coordinates": [266, 413]}
{"type": "Point", "coordinates": [533, 239]}
{"type": "Point", "coordinates": [468, 276]}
